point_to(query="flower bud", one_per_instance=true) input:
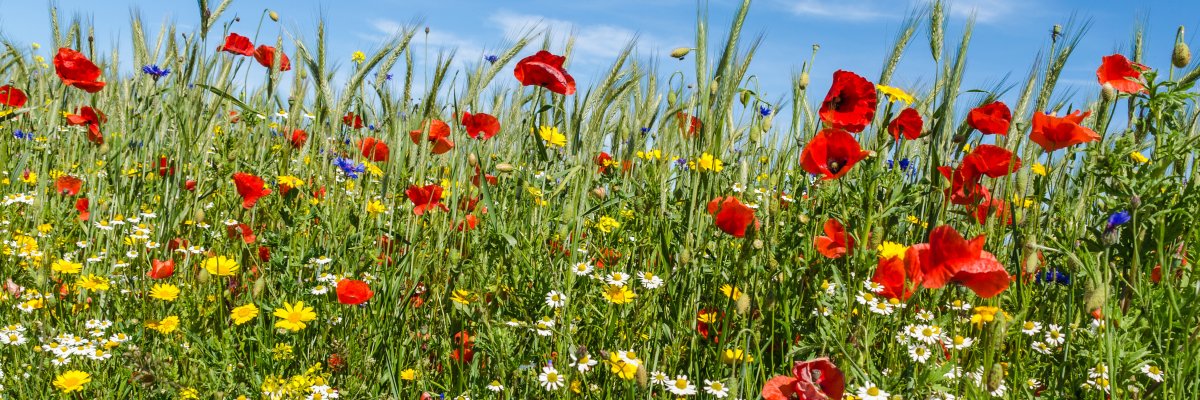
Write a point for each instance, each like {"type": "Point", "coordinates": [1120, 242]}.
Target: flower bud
{"type": "Point", "coordinates": [743, 304]}
{"type": "Point", "coordinates": [671, 99]}
{"type": "Point", "coordinates": [803, 80]}
{"type": "Point", "coordinates": [599, 193]}
{"type": "Point", "coordinates": [680, 52]}
{"type": "Point", "coordinates": [473, 160]}
{"type": "Point", "coordinates": [1108, 93]}
{"type": "Point", "coordinates": [504, 167]}
{"type": "Point", "coordinates": [1182, 55]}
{"type": "Point", "coordinates": [274, 15]}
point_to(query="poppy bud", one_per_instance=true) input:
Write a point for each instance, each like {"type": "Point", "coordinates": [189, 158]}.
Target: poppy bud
{"type": "Point", "coordinates": [599, 192]}
{"type": "Point", "coordinates": [684, 257]}
{"type": "Point", "coordinates": [995, 377]}
{"type": "Point", "coordinates": [473, 160]}
{"type": "Point", "coordinates": [1031, 262]}
{"type": "Point", "coordinates": [803, 80]}
{"type": "Point", "coordinates": [1095, 295]}
{"type": "Point", "coordinates": [274, 15]}
{"type": "Point", "coordinates": [1136, 201]}
{"type": "Point", "coordinates": [198, 215]}
{"type": "Point", "coordinates": [680, 52]}
{"type": "Point", "coordinates": [203, 276]}
{"type": "Point", "coordinates": [1108, 93]}
{"type": "Point", "coordinates": [803, 219]}
{"type": "Point", "coordinates": [743, 304]}
{"type": "Point", "coordinates": [190, 185]}
{"type": "Point", "coordinates": [671, 99]}
{"type": "Point", "coordinates": [504, 167]}
{"type": "Point", "coordinates": [745, 97]}
{"type": "Point", "coordinates": [1182, 55]}
{"type": "Point", "coordinates": [259, 285]}
{"type": "Point", "coordinates": [766, 123]}
{"type": "Point", "coordinates": [643, 378]}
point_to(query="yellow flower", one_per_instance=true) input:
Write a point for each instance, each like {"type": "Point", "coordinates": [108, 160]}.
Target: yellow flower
{"type": "Point", "coordinates": [167, 325]}
{"type": "Point", "coordinates": [29, 177]}
{"type": "Point", "coordinates": [288, 180]}
{"type": "Point", "coordinates": [408, 374]}
{"type": "Point", "coordinates": [707, 316]}
{"type": "Point", "coordinates": [1038, 169]}
{"type": "Point", "coordinates": [731, 292]}
{"type": "Point", "coordinates": [894, 94]}
{"type": "Point", "coordinates": [64, 266]}
{"type": "Point", "coordinates": [358, 57]}
{"type": "Point", "coordinates": [984, 314]}
{"type": "Point", "coordinates": [552, 136]}
{"type": "Point", "coordinates": [623, 363]}
{"type": "Point", "coordinates": [1139, 158]}
{"type": "Point", "coordinates": [164, 292]}
{"type": "Point", "coordinates": [735, 356]}
{"type": "Point", "coordinates": [375, 207]}
{"type": "Point", "coordinates": [374, 170]}
{"type": "Point", "coordinates": [606, 224]}
{"type": "Point", "coordinates": [188, 393]}
{"type": "Point", "coordinates": [618, 294]}
{"type": "Point", "coordinates": [709, 163]}
{"type": "Point", "coordinates": [293, 316]}
{"type": "Point", "coordinates": [892, 250]}
{"type": "Point", "coordinates": [220, 266]}
{"type": "Point", "coordinates": [93, 282]}
{"type": "Point", "coordinates": [243, 314]}
{"type": "Point", "coordinates": [462, 297]}
{"type": "Point", "coordinates": [72, 381]}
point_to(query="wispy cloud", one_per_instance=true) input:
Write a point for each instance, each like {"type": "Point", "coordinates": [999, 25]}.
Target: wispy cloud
{"type": "Point", "coordinates": [851, 10]}
{"type": "Point", "coordinates": [592, 41]}
{"type": "Point", "coordinates": [984, 11]}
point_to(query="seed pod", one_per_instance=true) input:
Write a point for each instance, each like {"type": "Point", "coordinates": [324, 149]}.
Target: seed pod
{"type": "Point", "coordinates": [198, 215]}
{"type": "Point", "coordinates": [274, 15]}
{"type": "Point", "coordinates": [745, 97]}
{"type": "Point", "coordinates": [680, 52]}
{"type": "Point", "coordinates": [1095, 295]}
{"type": "Point", "coordinates": [203, 276]}
{"type": "Point", "coordinates": [995, 377]}
{"type": "Point", "coordinates": [766, 123]}
{"type": "Point", "coordinates": [504, 167]}
{"type": "Point", "coordinates": [804, 79]}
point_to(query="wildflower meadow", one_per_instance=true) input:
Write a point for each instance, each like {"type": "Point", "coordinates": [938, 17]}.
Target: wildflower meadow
{"type": "Point", "coordinates": [230, 219]}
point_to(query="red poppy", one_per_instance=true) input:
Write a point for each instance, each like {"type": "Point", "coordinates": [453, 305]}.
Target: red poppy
{"type": "Point", "coordinates": [949, 258]}
{"type": "Point", "coordinates": [890, 273]}
{"type": "Point", "coordinates": [265, 55]}
{"type": "Point", "coordinates": [731, 216]}
{"type": "Point", "coordinates": [480, 126]}
{"type": "Point", "coordinates": [836, 242]}
{"type": "Point", "coordinates": [850, 103]}
{"type": "Point", "coordinates": [76, 70]}
{"type": "Point", "coordinates": [1123, 75]}
{"type": "Point", "coordinates": [250, 187]}
{"type": "Point", "coordinates": [469, 223]}
{"type": "Point", "coordinates": [831, 154]}
{"type": "Point", "coordinates": [81, 205]}
{"type": "Point", "coordinates": [709, 330]}
{"type": "Point", "coordinates": [689, 125]}
{"type": "Point", "coordinates": [92, 118]}
{"type": "Point", "coordinates": [992, 118]}
{"type": "Point", "coordinates": [264, 253]}
{"type": "Point", "coordinates": [425, 198]}
{"type": "Point", "coordinates": [991, 160]}
{"type": "Point", "coordinates": [161, 269]}
{"type": "Point", "coordinates": [1053, 133]}
{"type": "Point", "coordinates": [603, 160]}
{"type": "Point", "coordinates": [353, 292]}
{"type": "Point", "coordinates": [299, 137]}
{"type": "Point", "coordinates": [12, 97]}
{"type": "Point", "coordinates": [165, 166]}
{"type": "Point", "coordinates": [990, 207]}
{"type": "Point", "coordinates": [177, 243]}
{"type": "Point", "coordinates": [189, 185]}
{"type": "Point", "coordinates": [491, 179]}
{"type": "Point", "coordinates": [964, 186]}
{"type": "Point", "coordinates": [68, 185]}
{"type": "Point", "coordinates": [238, 44]}
{"type": "Point", "coordinates": [374, 149]}
{"type": "Point", "coordinates": [352, 120]}
{"type": "Point", "coordinates": [464, 344]}
{"type": "Point", "coordinates": [242, 230]}
{"type": "Point", "coordinates": [817, 379]}
{"type": "Point", "coordinates": [439, 135]}
{"type": "Point", "coordinates": [908, 124]}
{"type": "Point", "coordinates": [545, 70]}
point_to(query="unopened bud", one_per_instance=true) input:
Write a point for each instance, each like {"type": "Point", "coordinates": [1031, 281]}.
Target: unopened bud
{"type": "Point", "coordinates": [643, 377]}
{"type": "Point", "coordinates": [1108, 93]}
{"type": "Point", "coordinates": [473, 160]}
{"type": "Point", "coordinates": [1136, 201]}
{"type": "Point", "coordinates": [680, 52]}
{"type": "Point", "coordinates": [274, 15]}
{"type": "Point", "coordinates": [743, 304]}
{"type": "Point", "coordinates": [1182, 55]}
{"type": "Point", "coordinates": [504, 167]}
{"type": "Point", "coordinates": [803, 80]}
{"type": "Point", "coordinates": [671, 99]}
{"type": "Point", "coordinates": [427, 30]}
{"type": "Point", "coordinates": [599, 193]}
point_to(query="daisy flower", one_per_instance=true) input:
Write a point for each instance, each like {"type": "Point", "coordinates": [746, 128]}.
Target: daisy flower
{"type": "Point", "coordinates": [617, 279]}
{"type": "Point", "coordinates": [680, 386]}
{"type": "Point", "coordinates": [919, 353]}
{"type": "Point", "coordinates": [554, 299]}
{"type": "Point", "coordinates": [650, 280]}
{"type": "Point", "coordinates": [582, 269]}
{"type": "Point", "coordinates": [550, 380]}
{"type": "Point", "coordinates": [1031, 328]}
{"type": "Point", "coordinates": [869, 391]}
{"type": "Point", "coordinates": [716, 388]}
{"type": "Point", "coordinates": [1153, 372]}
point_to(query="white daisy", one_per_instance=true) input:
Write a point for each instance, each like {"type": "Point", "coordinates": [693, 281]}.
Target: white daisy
{"type": "Point", "coordinates": [869, 391]}
{"type": "Point", "coordinates": [617, 279]}
{"type": "Point", "coordinates": [1031, 328]}
{"type": "Point", "coordinates": [550, 379]}
{"type": "Point", "coordinates": [680, 386]}
{"type": "Point", "coordinates": [650, 280]}
{"type": "Point", "coordinates": [554, 299]}
{"type": "Point", "coordinates": [716, 388]}
{"type": "Point", "coordinates": [583, 364]}
{"type": "Point", "coordinates": [495, 386]}
{"type": "Point", "coordinates": [582, 269]}
{"type": "Point", "coordinates": [919, 353]}
{"type": "Point", "coordinates": [1153, 372]}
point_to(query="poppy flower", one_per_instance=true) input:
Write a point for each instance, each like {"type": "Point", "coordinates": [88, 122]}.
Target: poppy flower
{"type": "Point", "coordinates": [374, 149]}
{"type": "Point", "coordinates": [92, 118]}
{"type": "Point", "coordinates": [81, 205]}
{"type": "Point", "coordinates": [1053, 133]}
{"type": "Point", "coordinates": [850, 103]}
{"type": "Point", "coordinates": [708, 322]}
{"type": "Point", "coordinates": [949, 258]}
{"type": "Point", "coordinates": [244, 231]}
{"type": "Point", "coordinates": [250, 187]}
{"type": "Point", "coordinates": [993, 118]}
{"type": "Point", "coordinates": [177, 243]}
{"type": "Point", "coordinates": [425, 198]}
{"type": "Point", "coordinates": [991, 207]}
{"type": "Point", "coordinates": [439, 135]}
{"type": "Point", "coordinates": [165, 166]}
{"type": "Point", "coordinates": [545, 70]}
{"type": "Point", "coordinates": [68, 185]}
{"type": "Point", "coordinates": [161, 269]}
{"type": "Point", "coordinates": [489, 178]}
{"type": "Point", "coordinates": [817, 379]}
{"type": "Point", "coordinates": [76, 70]}
{"type": "Point", "coordinates": [189, 185]}
{"type": "Point", "coordinates": [480, 126]}
{"type": "Point", "coordinates": [299, 137]}
{"type": "Point", "coordinates": [831, 154]}
{"type": "Point", "coordinates": [265, 55]}
{"type": "Point", "coordinates": [238, 44]}
{"type": "Point", "coordinates": [603, 160]}
{"type": "Point", "coordinates": [352, 120]}
{"type": "Point", "coordinates": [12, 97]}
{"type": "Point", "coordinates": [463, 341]}
{"type": "Point", "coordinates": [907, 124]}
{"type": "Point", "coordinates": [1123, 75]}
{"type": "Point", "coordinates": [990, 160]}
{"type": "Point", "coordinates": [731, 216]}
{"type": "Point", "coordinates": [891, 275]}
{"type": "Point", "coordinates": [264, 253]}
{"type": "Point", "coordinates": [689, 125]}
{"type": "Point", "coordinates": [469, 223]}
{"type": "Point", "coordinates": [836, 242]}
{"type": "Point", "coordinates": [353, 292]}
{"type": "Point", "coordinates": [965, 187]}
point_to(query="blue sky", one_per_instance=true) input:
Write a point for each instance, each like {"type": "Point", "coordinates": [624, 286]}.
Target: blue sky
{"type": "Point", "coordinates": [853, 34]}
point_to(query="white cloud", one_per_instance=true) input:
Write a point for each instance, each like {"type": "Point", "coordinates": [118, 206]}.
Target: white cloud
{"type": "Point", "coordinates": [437, 40]}
{"type": "Point", "coordinates": [593, 43]}
{"type": "Point", "coordinates": [853, 10]}
{"type": "Point", "coordinates": [985, 11]}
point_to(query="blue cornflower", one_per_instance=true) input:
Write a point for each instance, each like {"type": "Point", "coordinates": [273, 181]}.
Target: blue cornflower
{"type": "Point", "coordinates": [1053, 275]}
{"type": "Point", "coordinates": [370, 127]}
{"type": "Point", "coordinates": [19, 134]}
{"type": "Point", "coordinates": [681, 163]}
{"type": "Point", "coordinates": [764, 111]}
{"type": "Point", "coordinates": [389, 77]}
{"type": "Point", "coordinates": [350, 167]}
{"type": "Point", "coordinates": [645, 130]}
{"type": "Point", "coordinates": [491, 58]}
{"type": "Point", "coordinates": [1117, 219]}
{"type": "Point", "coordinates": [155, 72]}
{"type": "Point", "coordinates": [904, 164]}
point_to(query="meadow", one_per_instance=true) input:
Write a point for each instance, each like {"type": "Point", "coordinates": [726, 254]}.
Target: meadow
{"type": "Point", "coordinates": [175, 232]}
